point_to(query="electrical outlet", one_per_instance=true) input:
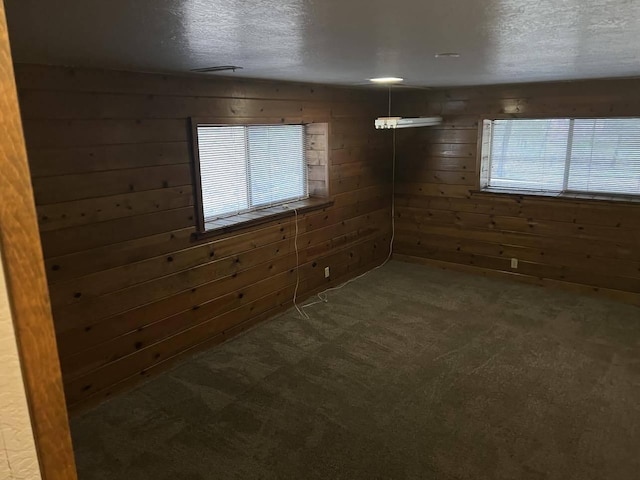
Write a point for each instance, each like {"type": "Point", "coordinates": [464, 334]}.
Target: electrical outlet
{"type": "Point", "coordinates": [326, 272]}
{"type": "Point", "coordinates": [514, 263]}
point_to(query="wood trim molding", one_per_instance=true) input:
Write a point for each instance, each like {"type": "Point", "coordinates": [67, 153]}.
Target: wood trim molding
{"type": "Point", "coordinates": [618, 295]}
{"type": "Point", "coordinates": [195, 176]}
{"type": "Point", "coordinates": [27, 286]}
{"type": "Point", "coordinates": [611, 199]}
{"type": "Point", "coordinates": [235, 223]}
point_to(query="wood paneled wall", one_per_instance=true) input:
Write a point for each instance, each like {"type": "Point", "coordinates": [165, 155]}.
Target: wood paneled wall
{"type": "Point", "coordinates": [26, 301]}
{"type": "Point", "coordinates": [585, 245]}
{"type": "Point", "coordinates": [131, 291]}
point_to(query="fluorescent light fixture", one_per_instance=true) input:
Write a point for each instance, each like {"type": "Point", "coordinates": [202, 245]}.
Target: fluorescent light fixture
{"type": "Point", "coordinates": [447, 55]}
{"type": "Point", "coordinates": [399, 122]}
{"type": "Point", "coordinates": [386, 80]}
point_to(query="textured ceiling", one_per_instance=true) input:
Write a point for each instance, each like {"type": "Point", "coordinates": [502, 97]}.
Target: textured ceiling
{"type": "Point", "coordinates": [338, 41]}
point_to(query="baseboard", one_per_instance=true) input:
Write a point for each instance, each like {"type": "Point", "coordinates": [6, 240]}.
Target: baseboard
{"type": "Point", "coordinates": [611, 294]}
{"type": "Point", "coordinates": [168, 363]}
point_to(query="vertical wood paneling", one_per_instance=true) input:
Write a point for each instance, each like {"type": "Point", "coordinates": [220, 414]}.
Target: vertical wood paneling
{"type": "Point", "coordinates": [131, 290]}
{"type": "Point", "coordinates": [585, 245]}
{"type": "Point", "coordinates": [317, 153]}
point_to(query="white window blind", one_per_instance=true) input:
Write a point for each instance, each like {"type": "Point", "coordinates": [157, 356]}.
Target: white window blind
{"type": "Point", "coordinates": [277, 169]}
{"type": "Point", "coordinates": [605, 156]}
{"type": "Point", "coordinates": [244, 168]}
{"type": "Point", "coordinates": [599, 155]}
{"type": "Point", "coordinates": [223, 170]}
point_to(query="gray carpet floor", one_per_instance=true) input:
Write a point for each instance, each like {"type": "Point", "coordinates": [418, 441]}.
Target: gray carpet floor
{"type": "Point", "coordinates": [408, 373]}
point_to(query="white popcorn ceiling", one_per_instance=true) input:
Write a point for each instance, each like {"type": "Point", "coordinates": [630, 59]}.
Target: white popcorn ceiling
{"type": "Point", "coordinates": [338, 41]}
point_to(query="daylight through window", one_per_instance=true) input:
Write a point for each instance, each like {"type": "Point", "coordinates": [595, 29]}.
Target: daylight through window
{"type": "Point", "coordinates": [563, 155]}
{"type": "Point", "coordinates": [245, 168]}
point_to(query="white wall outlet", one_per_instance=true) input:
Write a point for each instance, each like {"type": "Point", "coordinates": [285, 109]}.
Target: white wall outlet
{"type": "Point", "coordinates": [514, 263]}
{"type": "Point", "coordinates": [326, 272]}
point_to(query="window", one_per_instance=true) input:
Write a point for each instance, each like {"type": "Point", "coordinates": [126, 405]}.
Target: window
{"type": "Point", "coordinates": [247, 168]}
{"type": "Point", "coordinates": [562, 155]}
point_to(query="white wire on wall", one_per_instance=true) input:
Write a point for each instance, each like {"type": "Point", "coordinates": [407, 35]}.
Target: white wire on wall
{"type": "Point", "coordinates": [322, 296]}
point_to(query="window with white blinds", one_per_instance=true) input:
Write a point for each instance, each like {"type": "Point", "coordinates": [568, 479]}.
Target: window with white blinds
{"type": "Point", "coordinates": [564, 155]}
{"type": "Point", "coordinates": [248, 167]}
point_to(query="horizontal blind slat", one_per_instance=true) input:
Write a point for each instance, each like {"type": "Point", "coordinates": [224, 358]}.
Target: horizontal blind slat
{"type": "Point", "coordinates": [277, 169]}
{"type": "Point", "coordinates": [529, 154]}
{"type": "Point", "coordinates": [244, 168]}
{"type": "Point", "coordinates": [603, 154]}
{"type": "Point", "coordinates": [606, 156]}
{"type": "Point", "coordinates": [223, 177]}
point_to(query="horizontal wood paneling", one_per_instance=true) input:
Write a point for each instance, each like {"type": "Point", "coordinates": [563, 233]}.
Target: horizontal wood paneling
{"type": "Point", "coordinates": [65, 188]}
{"type": "Point", "coordinates": [86, 211]}
{"type": "Point", "coordinates": [583, 245]}
{"type": "Point", "coordinates": [162, 364]}
{"type": "Point", "coordinates": [131, 290]}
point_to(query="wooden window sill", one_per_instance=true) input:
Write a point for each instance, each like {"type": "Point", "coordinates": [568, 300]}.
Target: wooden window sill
{"type": "Point", "coordinates": [560, 196]}
{"type": "Point", "coordinates": [257, 217]}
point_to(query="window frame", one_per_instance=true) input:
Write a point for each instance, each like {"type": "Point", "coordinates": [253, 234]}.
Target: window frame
{"type": "Point", "coordinates": [206, 229]}
{"type": "Point", "coordinates": [483, 167]}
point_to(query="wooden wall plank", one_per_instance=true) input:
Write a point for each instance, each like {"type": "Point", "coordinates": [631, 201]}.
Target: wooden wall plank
{"type": "Point", "coordinates": [131, 289]}
{"type": "Point", "coordinates": [81, 212]}
{"type": "Point", "coordinates": [166, 363]}
{"type": "Point", "coordinates": [84, 237]}
{"type": "Point", "coordinates": [561, 242]}
{"type": "Point", "coordinates": [65, 188]}
{"type": "Point", "coordinates": [120, 368]}
{"type": "Point", "coordinates": [68, 161]}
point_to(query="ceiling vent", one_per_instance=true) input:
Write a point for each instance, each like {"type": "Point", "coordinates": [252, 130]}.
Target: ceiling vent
{"type": "Point", "coordinates": [218, 68]}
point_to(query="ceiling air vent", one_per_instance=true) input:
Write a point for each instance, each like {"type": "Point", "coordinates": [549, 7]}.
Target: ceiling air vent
{"type": "Point", "coordinates": [218, 68]}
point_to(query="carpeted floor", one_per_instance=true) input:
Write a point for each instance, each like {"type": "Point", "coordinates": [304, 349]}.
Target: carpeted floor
{"type": "Point", "coordinates": [408, 373]}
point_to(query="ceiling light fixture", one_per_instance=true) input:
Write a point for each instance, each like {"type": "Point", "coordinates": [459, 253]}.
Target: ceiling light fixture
{"type": "Point", "coordinates": [447, 55]}
{"type": "Point", "coordinates": [386, 80]}
{"type": "Point", "coordinates": [383, 123]}
{"type": "Point", "coordinates": [389, 122]}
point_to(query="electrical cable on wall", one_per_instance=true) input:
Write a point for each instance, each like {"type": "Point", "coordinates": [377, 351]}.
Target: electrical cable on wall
{"type": "Point", "coordinates": [295, 292]}
{"type": "Point", "coordinates": [322, 296]}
